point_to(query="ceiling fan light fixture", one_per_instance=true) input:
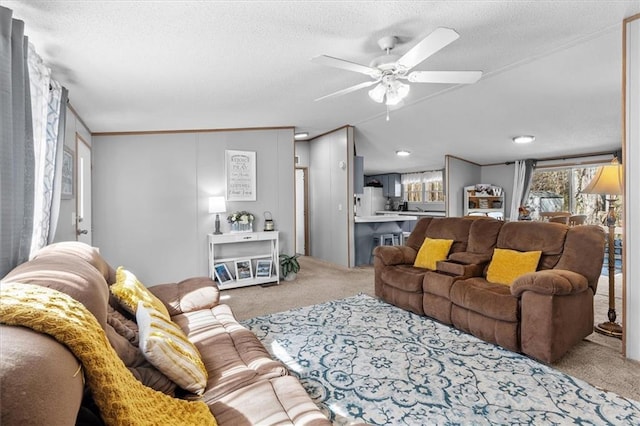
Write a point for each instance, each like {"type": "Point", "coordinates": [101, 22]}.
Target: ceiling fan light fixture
{"type": "Point", "coordinates": [403, 153]}
{"type": "Point", "coordinates": [396, 92]}
{"type": "Point", "coordinates": [524, 139]}
{"type": "Point", "coordinates": [377, 93]}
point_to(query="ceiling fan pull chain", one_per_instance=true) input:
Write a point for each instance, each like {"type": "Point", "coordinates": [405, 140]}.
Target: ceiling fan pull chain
{"type": "Point", "coordinates": [387, 112]}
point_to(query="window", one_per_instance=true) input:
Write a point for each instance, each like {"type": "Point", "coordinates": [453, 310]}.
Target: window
{"type": "Point", "coordinates": [423, 187]}
{"type": "Point", "coordinates": [559, 189]}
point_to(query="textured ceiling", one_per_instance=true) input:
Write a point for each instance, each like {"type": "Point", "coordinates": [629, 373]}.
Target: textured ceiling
{"type": "Point", "coordinates": [551, 68]}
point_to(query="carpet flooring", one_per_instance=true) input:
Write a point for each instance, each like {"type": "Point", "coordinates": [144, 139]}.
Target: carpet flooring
{"type": "Point", "coordinates": [363, 360]}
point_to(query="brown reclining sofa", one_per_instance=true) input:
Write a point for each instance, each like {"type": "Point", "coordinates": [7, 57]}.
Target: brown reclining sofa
{"type": "Point", "coordinates": [541, 314]}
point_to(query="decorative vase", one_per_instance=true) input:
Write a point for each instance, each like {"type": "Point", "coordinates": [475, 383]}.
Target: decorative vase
{"type": "Point", "coordinates": [290, 276]}
{"type": "Point", "coordinates": [241, 227]}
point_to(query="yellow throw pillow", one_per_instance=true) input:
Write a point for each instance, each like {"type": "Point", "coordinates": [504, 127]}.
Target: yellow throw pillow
{"type": "Point", "coordinates": [431, 251]}
{"type": "Point", "coordinates": [507, 265]}
{"type": "Point", "coordinates": [166, 347]}
{"type": "Point", "coordinates": [129, 291]}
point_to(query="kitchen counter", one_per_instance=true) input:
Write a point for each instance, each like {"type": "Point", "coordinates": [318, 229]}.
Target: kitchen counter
{"type": "Point", "coordinates": [412, 213]}
{"type": "Point", "coordinates": [390, 217]}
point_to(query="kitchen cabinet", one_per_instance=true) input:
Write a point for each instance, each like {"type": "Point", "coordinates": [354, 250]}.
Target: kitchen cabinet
{"type": "Point", "coordinates": [484, 199]}
{"type": "Point", "coordinates": [391, 184]}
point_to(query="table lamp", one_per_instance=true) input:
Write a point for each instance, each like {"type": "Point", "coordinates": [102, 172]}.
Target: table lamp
{"type": "Point", "coordinates": [217, 206]}
{"type": "Point", "coordinates": [608, 181]}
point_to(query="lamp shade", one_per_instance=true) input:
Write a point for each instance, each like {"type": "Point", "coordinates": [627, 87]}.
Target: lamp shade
{"type": "Point", "coordinates": [607, 181]}
{"type": "Point", "coordinates": [217, 205]}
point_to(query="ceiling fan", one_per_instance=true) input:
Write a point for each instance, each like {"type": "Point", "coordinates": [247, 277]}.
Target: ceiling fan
{"type": "Point", "coordinates": [389, 70]}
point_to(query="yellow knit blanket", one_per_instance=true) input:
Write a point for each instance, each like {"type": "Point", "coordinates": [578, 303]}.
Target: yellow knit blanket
{"type": "Point", "coordinates": [121, 398]}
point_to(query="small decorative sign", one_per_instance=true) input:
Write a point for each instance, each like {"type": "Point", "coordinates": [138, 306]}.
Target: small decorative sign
{"type": "Point", "coordinates": [241, 175]}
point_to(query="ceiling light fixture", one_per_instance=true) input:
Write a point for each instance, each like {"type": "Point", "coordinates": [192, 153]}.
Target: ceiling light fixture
{"type": "Point", "coordinates": [301, 135]}
{"type": "Point", "coordinates": [524, 139]}
{"type": "Point", "coordinates": [403, 153]}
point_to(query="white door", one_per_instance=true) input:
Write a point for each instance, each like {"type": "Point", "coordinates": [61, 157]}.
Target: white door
{"type": "Point", "coordinates": [302, 224]}
{"type": "Point", "coordinates": [83, 167]}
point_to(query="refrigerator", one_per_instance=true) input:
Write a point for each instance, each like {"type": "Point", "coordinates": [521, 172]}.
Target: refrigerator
{"type": "Point", "coordinates": [370, 201]}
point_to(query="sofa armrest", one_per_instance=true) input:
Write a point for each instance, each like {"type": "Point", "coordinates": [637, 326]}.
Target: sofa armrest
{"type": "Point", "coordinates": [188, 295]}
{"type": "Point", "coordinates": [395, 255]}
{"type": "Point", "coordinates": [459, 269]}
{"type": "Point", "coordinates": [551, 282]}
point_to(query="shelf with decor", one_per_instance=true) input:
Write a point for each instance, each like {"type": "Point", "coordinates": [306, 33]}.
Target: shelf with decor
{"type": "Point", "coordinates": [484, 199]}
{"type": "Point", "coordinates": [241, 259]}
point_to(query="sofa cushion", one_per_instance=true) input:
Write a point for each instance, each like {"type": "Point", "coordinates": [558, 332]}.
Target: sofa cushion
{"type": "Point", "coordinates": [488, 299]}
{"type": "Point", "coordinates": [404, 277]}
{"type": "Point", "coordinates": [232, 354]}
{"type": "Point", "coordinates": [188, 295]}
{"type": "Point", "coordinates": [483, 235]}
{"type": "Point", "coordinates": [83, 251]}
{"type": "Point", "coordinates": [68, 274]}
{"type": "Point", "coordinates": [507, 265]}
{"type": "Point", "coordinates": [530, 236]}
{"type": "Point", "coordinates": [432, 251]}
{"type": "Point", "coordinates": [450, 228]}
{"type": "Point", "coordinates": [166, 347]}
{"type": "Point", "coordinates": [278, 401]}
{"type": "Point", "coordinates": [129, 291]}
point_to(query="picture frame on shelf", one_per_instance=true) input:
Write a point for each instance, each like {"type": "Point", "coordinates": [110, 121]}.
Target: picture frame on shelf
{"type": "Point", "coordinates": [222, 273]}
{"type": "Point", "coordinates": [263, 268]}
{"type": "Point", "coordinates": [244, 271]}
{"type": "Point", "coordinates": [68, 181]}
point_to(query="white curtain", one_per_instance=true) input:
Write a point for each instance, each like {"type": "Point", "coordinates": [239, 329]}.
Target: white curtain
{"type": "Point", "coordinates": [433, 176]}
{"type": "Point", "coordinates": [39, 78]}
{"type": "Point", "coordinates": [411, 178]}
{"type": "Point", "coordinates": [518, 188]}
{"type": "Point", "coordinates": [521, 184]}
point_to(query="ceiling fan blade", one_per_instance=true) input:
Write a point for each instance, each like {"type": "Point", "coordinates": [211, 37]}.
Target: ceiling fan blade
{"type": "Point", "coordinates": [435, 41]}
{"type": "Point", "coordinates": [449, 77]}
{"type": "Point", "coordinates": [330, 61]}
{"type": "Point", "coordinates": [350, 89]}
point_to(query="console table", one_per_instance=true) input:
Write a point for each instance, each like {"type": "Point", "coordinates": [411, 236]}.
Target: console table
{"type": "Point", "coordinates": [244, 247]}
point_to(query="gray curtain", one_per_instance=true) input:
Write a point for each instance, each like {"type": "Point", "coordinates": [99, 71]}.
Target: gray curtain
{"type": "Point", "coordinates": [16, 145]}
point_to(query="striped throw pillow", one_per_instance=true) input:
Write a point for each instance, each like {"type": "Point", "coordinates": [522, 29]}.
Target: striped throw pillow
{"type": "Point", "coordinates": [166, 346]}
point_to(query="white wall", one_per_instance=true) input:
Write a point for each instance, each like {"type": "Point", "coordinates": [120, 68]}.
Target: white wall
{"type": "Point", "coordinates": [459, 173]}
{"type": "Point", "coordinates": [302, 152]}
{"type": "Point", "coordinates": [151, 195]}
{"type": "Point", "coordinates": [632, 200]}
{"type": "Point", "coordinates": [330, 206]}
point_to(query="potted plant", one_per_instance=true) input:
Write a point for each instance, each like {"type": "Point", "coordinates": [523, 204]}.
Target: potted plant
{"type": "Point", "coordinates": [289, 266]}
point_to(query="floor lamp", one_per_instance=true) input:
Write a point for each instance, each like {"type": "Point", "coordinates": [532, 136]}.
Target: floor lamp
{"type": "Point", "coordinates": [608, 181]}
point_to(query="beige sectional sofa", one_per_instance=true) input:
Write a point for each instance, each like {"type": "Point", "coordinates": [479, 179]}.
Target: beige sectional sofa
{"type": "Point", "coordinates": [40, 377]}
{"type": "Point", "coordinates": [541, 314]}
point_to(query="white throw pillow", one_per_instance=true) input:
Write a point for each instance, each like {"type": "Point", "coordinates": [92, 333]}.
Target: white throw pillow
{"type": "Point", "coordinates": [166, 346]}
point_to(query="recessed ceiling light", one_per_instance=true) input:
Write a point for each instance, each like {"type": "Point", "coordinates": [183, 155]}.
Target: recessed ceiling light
{"type": "Point", "coordinates": [403, 153]}
{"type": "Point", "coordinates": [300, 135]}
{"type": "Point", "coordinates": [524, 139]}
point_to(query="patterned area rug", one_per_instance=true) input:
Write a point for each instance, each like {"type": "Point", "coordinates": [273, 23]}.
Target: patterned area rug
{"type": "Point", "coordinates": [364, 360]}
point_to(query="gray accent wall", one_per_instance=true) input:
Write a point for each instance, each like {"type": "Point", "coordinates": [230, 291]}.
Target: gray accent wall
{"type": "Point", "coordinates": [459, 173]}
{"type": "Point", "coordinates": [331, 197]}
{"type": "Point", "coordinates": [151, 194]}
{"type": "Point", "coordinates": [500, 175]}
